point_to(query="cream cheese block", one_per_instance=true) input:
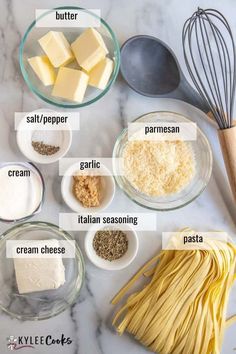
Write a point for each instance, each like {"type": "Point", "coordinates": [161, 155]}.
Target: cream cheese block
{"type": "Point", "coordinates": [43, 69]}
{"type": "Point", "coordinates": [57, 48]}
{"type": "Point", "coordinates": [89, 49]}
{"type": "Point", "coordinates": [39, 274]}
{"type": "Point", "coordinates": [101, 73]}
{"type": "Point", "coordinates": [70, 84]}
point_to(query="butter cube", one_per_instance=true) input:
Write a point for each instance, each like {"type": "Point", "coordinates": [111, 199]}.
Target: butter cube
{"type": "Point", "coordinates": [70, 84]}
{"type": "Point", "coordinates": [43, 69]}
{"type": "Point", "coordinates": [39, 274]}
{"type": "Point", "coordinates": [100, 74]}
{"type": "Point", "coordinates": [89, 49]}
{"type": "Point", "coordinates": [57, 48]}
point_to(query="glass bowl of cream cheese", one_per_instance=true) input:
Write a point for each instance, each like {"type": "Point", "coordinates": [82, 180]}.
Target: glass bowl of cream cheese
{"type": "Point", "coordinates": [38, 280]}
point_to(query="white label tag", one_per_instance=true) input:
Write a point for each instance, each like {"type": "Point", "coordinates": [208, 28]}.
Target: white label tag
{"type": "Point", "coordinates": [95, 166]}
{"type": "Point", "coordinates": [83, 222]}
{"type": "Point", "coordinates": [40, 249]}
{"type": "Point", "coordinates": [74, 17]}
{"type": "Point", "coordinates": [192, 240]}
{"type": "Point", "coordinates": [47, 120]}
{"type": "Point", "coordinates": [162, 131]}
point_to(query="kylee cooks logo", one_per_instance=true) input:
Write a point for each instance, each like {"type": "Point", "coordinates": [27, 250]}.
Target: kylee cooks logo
{"type": "Point", "coordinates": [12, 344]}
{"type": "Point", "coordinates": [20, 342]}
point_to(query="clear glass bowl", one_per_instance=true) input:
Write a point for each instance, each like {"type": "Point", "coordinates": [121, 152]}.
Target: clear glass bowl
{"type": "Point", "coordinates": [45, 304]}
{"type": "Point", "coordinates": [30, 47]}
{"type": "Point", "coordinates": [30, 166]}
{"type": "Point", "coordinates": [203, 165]}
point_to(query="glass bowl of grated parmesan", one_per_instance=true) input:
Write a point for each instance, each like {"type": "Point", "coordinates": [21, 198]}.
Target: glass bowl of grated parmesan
{"type": "Point", "coordinates": [162, 161]}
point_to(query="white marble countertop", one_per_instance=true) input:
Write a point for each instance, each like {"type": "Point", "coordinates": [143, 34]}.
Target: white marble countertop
{"type": "Point", "coordinates": [88, 322]}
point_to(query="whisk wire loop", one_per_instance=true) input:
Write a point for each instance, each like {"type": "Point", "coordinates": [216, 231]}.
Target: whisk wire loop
{"type": "Point", "coordinates": [209, 53]}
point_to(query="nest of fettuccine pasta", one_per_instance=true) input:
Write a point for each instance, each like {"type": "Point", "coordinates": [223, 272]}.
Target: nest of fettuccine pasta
{"type": "Point", "coordinates": [182, 310]}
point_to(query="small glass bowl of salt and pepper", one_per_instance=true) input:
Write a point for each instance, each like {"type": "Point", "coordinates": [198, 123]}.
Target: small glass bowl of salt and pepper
{"type": "Point", "coordinates": [43, 146]}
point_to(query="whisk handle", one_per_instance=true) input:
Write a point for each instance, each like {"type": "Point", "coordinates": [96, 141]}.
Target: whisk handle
{"type": "Point", "coordinates": [227, 138]}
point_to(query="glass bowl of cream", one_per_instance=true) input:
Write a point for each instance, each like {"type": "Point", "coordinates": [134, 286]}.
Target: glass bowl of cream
{"type": "Point", "coordinates": [35, 287]}
{"type": "Point", "coordinates": [22, 191]}
{"type": "Point", "coordinates": [162, 174]}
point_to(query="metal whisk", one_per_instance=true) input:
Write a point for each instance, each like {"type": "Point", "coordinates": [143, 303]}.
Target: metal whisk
{"type": "Point", "coordinates": [209, 53]}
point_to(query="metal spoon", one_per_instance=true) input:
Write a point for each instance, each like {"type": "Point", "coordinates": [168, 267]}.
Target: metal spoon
{"type": "Point", "coordinates": [151, 68]}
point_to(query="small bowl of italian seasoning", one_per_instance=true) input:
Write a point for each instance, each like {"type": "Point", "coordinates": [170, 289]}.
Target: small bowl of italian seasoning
{"type": "Point", "coordinates": [43, 146]}
{"type": "Point", "coordinates": [112, 247]}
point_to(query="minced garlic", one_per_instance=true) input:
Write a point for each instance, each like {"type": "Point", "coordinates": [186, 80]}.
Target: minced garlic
{"type": "Point", "coordinates": [158, 168]}
{"type": "Point", "coordinates": [87, 189]}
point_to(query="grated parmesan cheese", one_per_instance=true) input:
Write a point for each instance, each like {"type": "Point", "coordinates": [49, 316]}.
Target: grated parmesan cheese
{"type": "Point", "coordinates": [158, 168]}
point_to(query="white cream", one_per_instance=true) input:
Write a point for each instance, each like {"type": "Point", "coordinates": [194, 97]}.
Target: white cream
{"type": "Point", "coordinates": [19, 196]}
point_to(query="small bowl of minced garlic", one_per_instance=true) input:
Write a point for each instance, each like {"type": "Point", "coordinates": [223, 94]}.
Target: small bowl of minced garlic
{"type": "Point", "coordinates": [112, 247]}
{"type": "Point", "coordinates": [87, 192]}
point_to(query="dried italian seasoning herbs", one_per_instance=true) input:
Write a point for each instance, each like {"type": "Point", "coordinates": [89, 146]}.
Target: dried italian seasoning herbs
{"type": "Point", "coordinates": [45, 149]}
{"type": "Point", "coordinates": [110, 244]}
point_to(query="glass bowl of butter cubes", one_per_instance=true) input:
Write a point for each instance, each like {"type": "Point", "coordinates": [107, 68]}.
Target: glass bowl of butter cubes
{"type": "Point", "coordinates": [41, 271]}
{"type": "Point", "coordinates": [65, 63]}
